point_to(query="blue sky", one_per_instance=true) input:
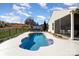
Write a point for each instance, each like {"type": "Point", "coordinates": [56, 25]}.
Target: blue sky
{"type": "Point", "coordinates": [18, 12]}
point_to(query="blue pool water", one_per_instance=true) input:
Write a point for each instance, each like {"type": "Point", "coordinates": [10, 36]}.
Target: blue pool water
{"type": "Point", "coordinates": [34, 41]}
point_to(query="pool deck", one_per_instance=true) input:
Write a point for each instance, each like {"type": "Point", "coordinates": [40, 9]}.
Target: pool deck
{"type": "Point", "coordinates": [60, 47]}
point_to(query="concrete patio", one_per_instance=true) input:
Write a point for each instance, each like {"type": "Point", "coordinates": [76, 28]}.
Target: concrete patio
{"type": "Point", "coordinates": [60, 47]}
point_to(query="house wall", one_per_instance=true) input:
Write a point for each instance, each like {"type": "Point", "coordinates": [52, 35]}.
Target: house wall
{"type": "Point", "coordinates": [57, 14]}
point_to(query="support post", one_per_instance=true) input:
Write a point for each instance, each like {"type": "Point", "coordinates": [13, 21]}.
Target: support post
{"type": "Point", "coordinates": [72, 25]}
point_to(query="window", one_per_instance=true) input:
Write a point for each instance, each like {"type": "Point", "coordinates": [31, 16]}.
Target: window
{"type": "Point", "coordinates": [53, 25]}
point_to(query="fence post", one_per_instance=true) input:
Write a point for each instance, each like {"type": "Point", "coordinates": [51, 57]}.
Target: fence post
{"type": "Point", "coordinates": [16, 30]}
{"type": "Point", "coordinates": [9, 32]}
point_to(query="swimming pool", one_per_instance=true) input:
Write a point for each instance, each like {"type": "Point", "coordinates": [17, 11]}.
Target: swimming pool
{"type": "Point", "coordinates": [34, 41]}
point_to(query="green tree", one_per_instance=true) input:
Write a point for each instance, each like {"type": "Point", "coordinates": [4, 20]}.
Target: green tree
{"type": "Point", "coordinates": [77, 11]}
{"type": "Point", "coordinates": [30, 21]}
{"type": "Point", "coordinates": [45, 26]}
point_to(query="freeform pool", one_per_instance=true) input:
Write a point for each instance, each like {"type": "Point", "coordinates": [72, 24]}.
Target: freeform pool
{"type": "Point", "coordinates": [35, 41]}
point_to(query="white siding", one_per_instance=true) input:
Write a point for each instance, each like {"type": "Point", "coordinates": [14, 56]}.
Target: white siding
{"type": "Point", "coordinates": [57, 14]}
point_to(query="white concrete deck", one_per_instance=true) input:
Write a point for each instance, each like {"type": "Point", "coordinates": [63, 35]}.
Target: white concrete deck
{"type": "Point", "coordinates": [59, 48]}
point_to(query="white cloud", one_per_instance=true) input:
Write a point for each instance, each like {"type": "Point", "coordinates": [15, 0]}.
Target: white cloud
{"type": "Point", "coordinates": [23, 13]}
{"type": "Point", "coordinates": [15, 19]}
{"type": "Point", "coordinates": [26, 5]}
{"type": "Point", "coordinates": [69, 4]}
{"type": "Point", "coordinates": [11, 18]}
{"type": "Point", "coordinates": [43, 5]}
{"type": "Point", "coordinates": [20, 10]}
{"type": "Point", "coordinates": [58, 8]}
{"type": "Point", "coordinates": [16, 7]}
{"type": "Point", "coordinates": [11, 13]}
{"type": "Point", "coordinates": [29, 12]}
{"type": "Point", "coordinates": [41, 17]}
{"type": "Point", "coordinates": [72, 5]}
{"type": "Point", "coordinates": [4, 17]}
{"type": "Point", "coordinates": [55, 8]}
